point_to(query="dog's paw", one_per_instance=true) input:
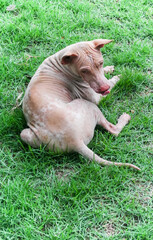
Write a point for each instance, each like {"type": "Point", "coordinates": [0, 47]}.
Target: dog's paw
{"type": "Point", "coordinates": [124, 118]}
{"type": "Point", "coordinates": [117, 78]}
{"type": "Point", "coordinates": [109, 69]}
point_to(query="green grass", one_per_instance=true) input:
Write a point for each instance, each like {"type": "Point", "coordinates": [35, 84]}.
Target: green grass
{"type": "Point", "coordinates": [63, 196]}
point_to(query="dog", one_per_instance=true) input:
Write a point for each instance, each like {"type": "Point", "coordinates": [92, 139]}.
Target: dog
{"type": "Point", "coordinates": [60, 103]}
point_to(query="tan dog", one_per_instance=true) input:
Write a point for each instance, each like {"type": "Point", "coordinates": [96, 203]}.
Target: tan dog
{"type": "Point", "coordinates": [60, 101]}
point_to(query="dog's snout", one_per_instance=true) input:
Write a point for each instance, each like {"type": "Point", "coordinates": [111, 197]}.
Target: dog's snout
{"type": "Point", "coordinates": [104, 88]}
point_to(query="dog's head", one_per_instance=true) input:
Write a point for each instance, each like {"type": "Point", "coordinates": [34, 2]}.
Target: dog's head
{"type": "Point", "coordinates": [86, 60]}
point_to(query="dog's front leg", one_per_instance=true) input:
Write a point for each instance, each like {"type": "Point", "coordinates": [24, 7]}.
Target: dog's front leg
{"type": "Point", "coordinates": [96, 97]}
{"type": "Point", "coordinates": [113, 81]}
{"type": "Point", "coordinates": [92, 96]}
{"type": "Point", "coordinates": [109, 69]}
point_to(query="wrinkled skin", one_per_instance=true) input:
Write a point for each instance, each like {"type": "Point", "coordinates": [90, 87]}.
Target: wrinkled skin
{"type": "Point", "coordinates": [60, 101]}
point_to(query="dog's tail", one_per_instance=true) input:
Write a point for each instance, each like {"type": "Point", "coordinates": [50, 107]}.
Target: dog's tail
{"type": "Point", "coordinates": [86, 152]}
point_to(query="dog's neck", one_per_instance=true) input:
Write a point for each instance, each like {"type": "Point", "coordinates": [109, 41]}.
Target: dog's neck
{"type": "Point", "coordinates": [58, 81]}
{"type": "Point", "coordinates": [69, 77]}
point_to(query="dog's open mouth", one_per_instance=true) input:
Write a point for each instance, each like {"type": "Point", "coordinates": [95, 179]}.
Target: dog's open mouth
{"type": "Point", "coordinates": [105, 92]}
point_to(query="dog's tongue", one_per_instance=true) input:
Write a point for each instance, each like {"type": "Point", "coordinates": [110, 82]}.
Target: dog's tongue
{"type": "Point", "coordinates": [106, 92]}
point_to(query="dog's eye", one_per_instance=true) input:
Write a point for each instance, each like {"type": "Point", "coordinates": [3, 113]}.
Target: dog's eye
{"type": "Point", "coordinates": [84, 71]}
{"type": "Point", "coordinates": [101, 63]}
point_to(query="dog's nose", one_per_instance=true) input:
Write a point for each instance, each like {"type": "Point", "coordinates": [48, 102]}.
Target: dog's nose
{"type": "Point", "coordinates": [104, 88]}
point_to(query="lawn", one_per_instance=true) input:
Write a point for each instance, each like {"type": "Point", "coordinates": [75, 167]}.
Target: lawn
{"type": "Point", "coordinates": [62, 196]}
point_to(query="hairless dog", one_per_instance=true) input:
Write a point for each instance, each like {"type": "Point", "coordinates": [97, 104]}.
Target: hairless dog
{"type": "Point", "coordinates": [60, 103]}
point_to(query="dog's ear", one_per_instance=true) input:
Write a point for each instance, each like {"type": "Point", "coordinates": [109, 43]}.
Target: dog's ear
{"type": "Point", "coordinates": [68, 58]}
{"type": "Point", "coordinates": [99, 43]}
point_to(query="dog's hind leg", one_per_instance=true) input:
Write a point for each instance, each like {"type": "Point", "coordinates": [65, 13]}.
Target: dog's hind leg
{"type": "Point", "coordinates": [29, 137]}
{"type": "Point", "coordinates": [114, 129]}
